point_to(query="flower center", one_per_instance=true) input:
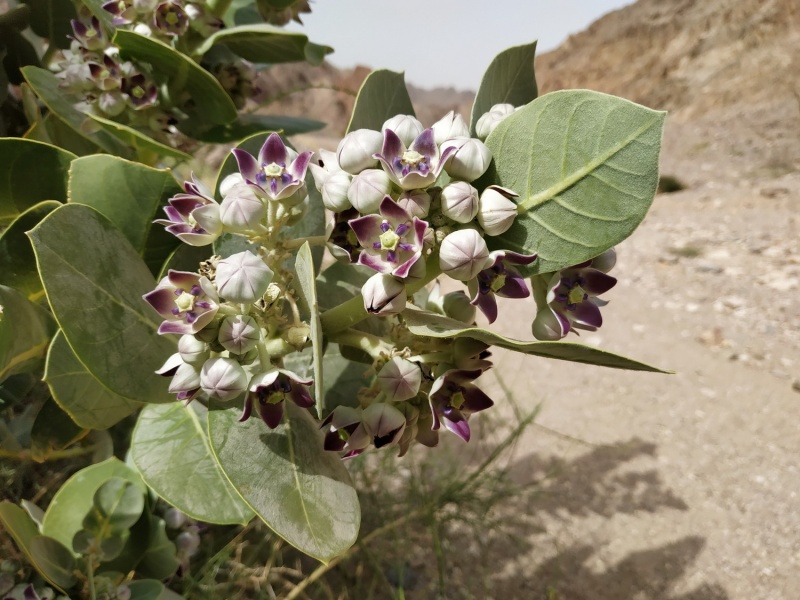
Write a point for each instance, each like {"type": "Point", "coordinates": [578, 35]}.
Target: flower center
{"type": "Point", "coordinates": [457, 399]}
{"type": "Point", "coordinates": [172, 18]}
{"type": "Point", "coordinates": [137, 92]}
{"type": "Point", "coordinates": [498, 282]}
{"type": "Point", "coordinates": [273, 170]}
{"type": "Point", "coordinates": [576, 295]}
{"type": "Point", "coordinates": [389, 240]}
{"type": "Point", "coordinates": [412, 158]}
{"type": "Point", "coordinates": [185, 302]}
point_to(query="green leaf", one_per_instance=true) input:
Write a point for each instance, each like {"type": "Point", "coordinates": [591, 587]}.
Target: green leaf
{"type": "Point", "coordinates": [266, 44]}
{"type": "Point", "coordinates": [30, 172]}
{"type": "Point", "coordinates": [25, 332]}
{"type": "Point", "coordinates": [185, 258]}
{"type": "Point", "coordinates": [46, 86]}
{"type": "Point", "coordinates": [19, 52]}
{"type": "Point", "coordinates": [247, 125]}
{"type": "Point", "coordinates": [50, 19]}
{"type": "Point", "coordinates": [117, 505]}
{"type": "Point", "coordinates": [53, 560]}
{"type": "Point", "coordinates": [437, 326]}
{"type": "Point", "coordinates": [142, 143]}
{"type": "Point", "coordinates": [382, 96]}
{"type": "Point", "coordinates": [304, 269]}
{"type": "Point", "coordinates": [79, 393]}
{"type": "Point", "coordinates": [52, 130]}
{"type": "Point", "coordinates": [160, 560]}
{"type": "Point", "coordinates": [94, 281]}
{"type": "Point", "coordinates": [302, 492]}
{"type": "Point", "coordinates": [52, 430]}
{"type": "Point", "coordinates": [130, 195]}
{"type": "Point", "coordinates": [72, 502]}
{"type": "Point", "coordinates": [509, 79]}
{"type": "Point", "coordinates": [171, 450]}
{"type": "Point", "coordinates": [17, 262]}
{"type": "Point", "coordinates": [585, 166]}
{"type": "Point", "coordinates": [146, 589]}
{"type": "Point", "coordinates": [46, 556]}
{"type": "Point", "coordinates": [209, 100]}
{"type": "Point", "coordinates": [343, 379]}
{"type": "Point", "coordinates": [105, 17]}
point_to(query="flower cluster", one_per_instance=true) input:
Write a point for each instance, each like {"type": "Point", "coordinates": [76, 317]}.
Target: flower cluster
{"type": "Point", "coordinates": [407, 206]}
{"type": "Point", "coordinates": [92, 73]}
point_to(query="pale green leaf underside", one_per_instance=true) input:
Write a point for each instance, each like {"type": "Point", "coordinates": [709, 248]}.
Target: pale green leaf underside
{"type": "Point", "coordinates": [382, 96]}
{"type": "Point", "coordinates": [585, 166]}
{"type": "Point", "coordinates": [170, 448]}
{"type": "Point", "coordinates": [304, 268]}
{"type": "Point", "coordinates": [432, 325]}
{"type": "Point", "coordinates": [302, 492]}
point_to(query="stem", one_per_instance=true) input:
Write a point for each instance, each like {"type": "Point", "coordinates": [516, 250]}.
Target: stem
{"type": "Point", "coordinates": [25, 455]}
{"type": "Point", "coordinates": [351, 312]}
{"type": "Point", "coordinates": [90, 574]}
{"type": "Point", "coordinates": [371, 344]}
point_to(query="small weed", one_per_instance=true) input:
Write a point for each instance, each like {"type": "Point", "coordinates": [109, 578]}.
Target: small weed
{"type": "Point", "coordinates": [686, 251]}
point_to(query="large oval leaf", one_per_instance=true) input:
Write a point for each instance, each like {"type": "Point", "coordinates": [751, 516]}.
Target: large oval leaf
{"type": "Point", "coordinates": [17, 262]}
{"type": "Point", "coordinates": [509, 79]}
{"type": "Point", "coordinates": [171, 450]}
{"type": "Point", "coordinates": [64, 517]}
{"type": "Point", "coordinates": [87, 401]}
{"type": "Point", "coordinates": [209, 100]}
{"type": "Point", "coordinates": [144, 145]}
{"type": "Point", "coordinates": [304, 269]}
{"type": "Point", "coordinates": [30, 172]}
{"type": "Point", "coordinates": [585, 166]}
{"type": "Point", "coordinates": [437, 326]}
{"type": "Point", "coordinates": [302, 492]}
{"type": "Point", "coordinates": [53, 430]}
{"type": "Point", "coordinates": [130, 195]}
{"type": "Point", "coordinates": [382, 96]}
{"type": "Point", "coordinates": [94, 281]}
{"type": "Point", "coordinates": [25, 332]}
{"type": "Point", "coordinates": [262, 43]}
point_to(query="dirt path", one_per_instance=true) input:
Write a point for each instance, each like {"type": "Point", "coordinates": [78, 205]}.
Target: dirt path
{"type": "Point", "coordinates": [687, 486]}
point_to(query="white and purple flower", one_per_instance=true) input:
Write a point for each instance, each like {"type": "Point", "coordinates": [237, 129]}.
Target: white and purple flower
{"type": "Point", "coordinates": [270, 172]}
{"type": "Point", "coordinates": [499, 279]}
{"type": "Point", "coordinates": [415, 167]}
{"type": "Point", "coordinates": [186, 300]}
{"type": "Point", "coordinates": [453, 398]}
{"type": "Point", "coordinates": [193, 217]}
{"type": "Point", "coordinates": [267, 391]}
{"type": "Point", "coordinates": [391, 240]}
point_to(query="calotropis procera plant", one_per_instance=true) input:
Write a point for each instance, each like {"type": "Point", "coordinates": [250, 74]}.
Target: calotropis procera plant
{"type": "Point", "coordinates": [145, 79]}
{"type": "Point", "coordinates": [323, 305]}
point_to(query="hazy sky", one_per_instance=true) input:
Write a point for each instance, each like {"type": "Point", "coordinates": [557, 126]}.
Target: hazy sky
{"type": "Point", "coordinates": [443, 42]}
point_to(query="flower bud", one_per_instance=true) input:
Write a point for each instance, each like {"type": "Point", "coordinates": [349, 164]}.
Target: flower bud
{"type": "Point", "coordinates": [334, 191]}
{"type": "Point", "coordinates": [459, 201]}
{"type": "Point", "coordinates": [416, 203]}
{"type": "Point", "coordinates": [223, 378]}
{"type": "Point", "coordinates": [298, 335]}
{"type": "Point", "coordinates": [546, 326]}
{"type": "Point", "coordinates": [241, 210]}
{"type": "Point", "coordinates": [489, 120]}
{"type": "Point", "coordinates": [497, 211]}
{"type": "Point", "coordinates": [456, 305]}
{"type": "Point", "coordinates": [242, 277]}
{"type": "Point", "coordinates": [185, 382]}
{"type": "Point", "coordinates": [174, 519]}
{"type": "Point", "coordinates": [449, 126]}
{"type": "Point", "coordinates": [463, 254]}
{"type": "Point", "coordinates": [145, 6]}
{"type": "Point", "coordinates": [239, 333]}
{"type": "Point", "coordinates": [367, 190]}
{"type": "Point", "coordinates": [469, 161]}
{"type": "Point", "coordinates": [192, 350]}
{"type": "Point", "coordinates": [111, 103]}
{"type": "Point", "coordinates": [228, 183]}
{"type": "Point", "coordinates": [143, 29]}
{"type": "Point", "coordinates": [383, 423]}
{"type": "Point", "coordinates": [187, 543]}
{"type": "Point", "coordinates": [406, 127]}
{"type": "Point", "coordinates": [355, 151]}
{"type": "Point", "coordinates": [384, 295]}
{"type": "Point", "coordinates": [399, 379]}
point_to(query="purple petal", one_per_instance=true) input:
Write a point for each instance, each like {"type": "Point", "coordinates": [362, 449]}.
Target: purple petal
{"type": "Point", "coordinates": [374, 262]}
{"type": "Point", "coordinates": [247, 410]}
{"type": "Point", "coordinates": [183, 279]}
{"type": "Point", "coordinates": [587, 314]}
{"type": "Point", "coordinates": [333, 442]}
{"type": "Point", "coordinates": [597, 282]}
{"type": "Point", "coordinates": [425, 144]}
{"type": "Point", "coordinates": [248, 166]}
{"type": "Point", "coordinates": [487, 305]}
{"type": "Point", "coordinates": [514, 287]}
{"type": "Point", "coordinates": [367, 229]}
{"type": "Point", "coordinates": [420, 229]}
{"type": "Point", "coordinates": [163, 300]}
{"type": "Point", "coordinates": [393, 211]}
{"type": "Point", "coordinates": [176, 327]}
{"type": "Point", "coordinates": [457, 423]}
{"type": "Point", "coordinates": [271, 414]}
{"type": "Point", "coordinates": [517, 259]}
{"type": "Point", "coordinates": [299, 166]}
{"type": "Point", "coordinates": [392, 147]}
{"type": "Point", "coordinates": [301, 397]}
{"type": "Point", "coordinates": [403, 270]}
{"type": "Point", "coordinates": [273, 151]}
{"type": "Point", "coordinates": [173, 215]}
{"type": "Point", "coordinates": [475, 399]}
